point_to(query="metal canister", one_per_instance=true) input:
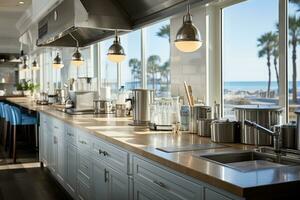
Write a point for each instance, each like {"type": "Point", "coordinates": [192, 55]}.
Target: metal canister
{"type": "Point", "coordinates": [267, 116]}
{"type": "Point", "coordinates": [142, 99]}
{"type": "Point", "coordinates": [184, 116]}
{"type": "Point", "coordinates": [288, 135]}
{"type": "Point", "coordinates": [198, 112]}
{"type": "Point", "coordinates": [225, 131]}
{"type": "Point", "coordinates": [298, 130]}
{"type": "Point", "coordinates": [120, 110]}
{"type": "Point", "coordinates": [204, 127]}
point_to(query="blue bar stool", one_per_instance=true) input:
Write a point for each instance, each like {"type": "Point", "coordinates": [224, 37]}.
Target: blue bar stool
{"type": "Point", "coordinates": [1, 119]}
{"type": "Point", "coordinates": [7, 116]}
{"type": "Point", "coordinates": [19, 119]}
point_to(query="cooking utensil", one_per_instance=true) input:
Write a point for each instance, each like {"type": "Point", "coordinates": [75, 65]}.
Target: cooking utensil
{"type": "Point", "coordinates": [204, 127]}
{"type": "Point", "coordinates": [288, 134]}
{"type": "Point", "coordinates": [266, 116]}
{"type": "Point", "coordinates": [187, 93]}
{"type": "Point", "coordinates": [225, 131]}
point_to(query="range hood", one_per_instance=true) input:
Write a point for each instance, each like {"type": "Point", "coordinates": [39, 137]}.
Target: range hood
{"type": "Point", "coordinates": [90, 21]}
{"type": "Point", "coordinates": [87, 20]}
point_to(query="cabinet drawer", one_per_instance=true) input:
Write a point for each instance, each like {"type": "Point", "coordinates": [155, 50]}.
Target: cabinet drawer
{"type": "Point", "coordinates": [83, 190]}
{"type": "Point", "coordinates": [83, 141]}
{"type": "Point", "coordinates": [212, 195]}
{"type": "Point", "coordinates": [84, 168]}
{"type": "Point", "coordinates": [115, 157]}
{"type": "Point", "coordinates": [70, 134]}
{"type": "Point", "coordinates": [165, 182]}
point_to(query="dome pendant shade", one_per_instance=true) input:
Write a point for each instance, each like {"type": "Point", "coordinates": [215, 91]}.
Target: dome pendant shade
{"type": "Point", "coordinates": [35, 65]}
{"type": "Point", "coordinates": [57, 62]}
{"type": "Point", "coordinates": [77, 58]}
{"type": "Point", "coordinates": [116, 52]}
{"type": "Point", "coordinates": [188, 37]}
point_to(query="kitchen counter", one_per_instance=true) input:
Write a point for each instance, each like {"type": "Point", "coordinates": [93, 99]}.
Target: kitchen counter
{"type": "Point", "coordinates": [11, 96]}
{"type": "Point", "coordinates": [260, 183]}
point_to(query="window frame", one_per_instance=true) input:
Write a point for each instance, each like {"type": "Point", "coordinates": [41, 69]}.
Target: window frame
{"type": "Point", "coordinates": [282, 61]}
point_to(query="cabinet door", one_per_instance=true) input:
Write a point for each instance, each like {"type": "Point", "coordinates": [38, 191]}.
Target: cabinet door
{"type": "Point", "coordinates": [212, 195]}
{"type": "Point", "coordinates": [141, 192]}
{"type": "Point", "coordinates": [100, 178]}
{"type": "Point", "coordinates": [118, 185]}
{"type": "Point", "coordinates": [60, 159]}
{"type": "Point", "coordinates": [51, 152]}
{"type": "Point", "coordinates": [71, 169]}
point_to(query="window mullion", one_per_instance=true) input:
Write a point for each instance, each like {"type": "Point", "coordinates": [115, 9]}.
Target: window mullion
{"type": "Point", "coordinates": [283, 75]}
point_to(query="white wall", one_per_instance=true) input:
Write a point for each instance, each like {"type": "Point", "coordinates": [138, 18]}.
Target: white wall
{"type": "Point", "coordinates": [190, 67]}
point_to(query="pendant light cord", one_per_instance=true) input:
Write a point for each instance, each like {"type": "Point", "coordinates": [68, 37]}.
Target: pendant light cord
{"type": "Point", "coordinates": [77, 43]}
{"type": "Point", "coordinates": [188, 7]}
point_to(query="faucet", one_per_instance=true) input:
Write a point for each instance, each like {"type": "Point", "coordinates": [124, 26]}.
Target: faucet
{"type": "Point", "coordinates": [275, 134]}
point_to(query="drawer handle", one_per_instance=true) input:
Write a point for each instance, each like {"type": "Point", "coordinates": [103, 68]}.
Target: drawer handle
{"type": "Point", "coordinates": [82, 142]}
{"type": "Point", "coordinates": [70, 134]}
{"type": "Point", "coordinates": [103, 152]}
{"type": "Point", "coordinates": [106, 172]}
{"type": "Point", "coordinates": [161, 184]}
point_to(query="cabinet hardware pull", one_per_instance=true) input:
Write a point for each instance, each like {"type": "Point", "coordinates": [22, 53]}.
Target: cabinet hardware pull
{"type": "Point", "coordinates": [70, 134]}
{"type": "Point", "coordinates": [106, 175]}
{"type": "Point", "coordinates": [82, 142]}
{"type": "Point", "coordinates": [161, 184]}
{"type": "Point", "coordinates": [103, 152]}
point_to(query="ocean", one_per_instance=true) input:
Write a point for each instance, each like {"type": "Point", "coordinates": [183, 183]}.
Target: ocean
{"type": "Point", "coordinates": [253, 85]}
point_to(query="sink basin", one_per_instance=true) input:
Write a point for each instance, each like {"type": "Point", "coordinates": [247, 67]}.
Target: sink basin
{"type": "Point", "coordinates": [249, 160]}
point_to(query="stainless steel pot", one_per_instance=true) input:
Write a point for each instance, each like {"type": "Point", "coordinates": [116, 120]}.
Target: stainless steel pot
{"type": "Point", "coordinates": [288, 135]}
{"type": "Point", "coordinates": [102, 107]}
{"type": "Point", "coordinates": [120, 110]}
{"type": "Point", "coordinates": [298, 130]}
{"type": "Point", "coordinates": [267, 116]}
{"type": "Point", "coordinates": [142, 99]}
{"type": "Point", "coordinates": [225, 131]}
{"type": "Point", "coordinates": [198, 112]}
{"type": "Point", "coordinates": [204, 127]}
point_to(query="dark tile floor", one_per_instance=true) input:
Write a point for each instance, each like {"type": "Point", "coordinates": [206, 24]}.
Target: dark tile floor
{"type": "Point", "coordinates": [31, 184]}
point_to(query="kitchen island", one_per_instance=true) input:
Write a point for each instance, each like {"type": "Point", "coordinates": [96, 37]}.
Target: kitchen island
{"type": "Point", "coordinates": [100, 156]}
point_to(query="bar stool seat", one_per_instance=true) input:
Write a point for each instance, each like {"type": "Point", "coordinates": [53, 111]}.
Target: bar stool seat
{"type": "Point", "coordinates": [19, 119]}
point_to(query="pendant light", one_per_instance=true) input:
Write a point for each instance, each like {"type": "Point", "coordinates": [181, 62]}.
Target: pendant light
{"type": "Point", "coordinates": [77, 58]}
{"type": "Point", "coordinates": [57, 62]}
{"type": "Point", "coordinates": [24, 66]}
{"type": "Point", "coordinates": [35, 65]}
{"type": "Point", "coordinates": [188, 37]}
{"type": "Point", "coordinates": [116, 52]}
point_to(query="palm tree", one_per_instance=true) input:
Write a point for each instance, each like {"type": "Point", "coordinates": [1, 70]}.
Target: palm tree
{"type": "Point", "coordinates": [153, 64]}
{"type": "Point", "coordinates": [164, 32]}
{"type": "Point", "coordinates": [275, 54]}
{"type": "Point", "coordinates": [165, 71]}
{"type": "Point", "coordinates": [294, 32]}
{"type": "Point", "coordinates": [296, 2]}
{"type": "Point", "coordinates": [136, 69]}
{"type": "Point", "coordinates": [266, 44]}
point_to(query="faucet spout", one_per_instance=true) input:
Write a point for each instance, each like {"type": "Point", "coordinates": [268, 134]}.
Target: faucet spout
{"type": "Point", "coordinates": [275, 134]}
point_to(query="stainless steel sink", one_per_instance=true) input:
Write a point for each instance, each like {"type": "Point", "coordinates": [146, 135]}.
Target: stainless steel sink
{"type": "Point", "coordinates": [250, 160]}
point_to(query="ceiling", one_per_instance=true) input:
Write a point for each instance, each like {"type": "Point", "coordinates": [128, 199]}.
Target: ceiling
{"type": "Point", "coordinates": [10, 13]}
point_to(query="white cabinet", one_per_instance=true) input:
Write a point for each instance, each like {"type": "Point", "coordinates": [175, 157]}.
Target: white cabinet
{"type": "Point", "coordinates": [71, 169]}
{"type": "Point", "coordinates": [91, 168]}
{"type": "Point", "coordinates": [142, 192]}
{"type": "Point", "coordinates": [212, 195]}
{"type": "Point", "coordinates": [168, 184]}
{"type": "Point", "coordinates": [109, 184]}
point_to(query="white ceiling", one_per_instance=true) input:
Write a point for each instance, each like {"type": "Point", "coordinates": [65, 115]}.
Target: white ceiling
{"type": "Point", "coordinates": [10, 13]}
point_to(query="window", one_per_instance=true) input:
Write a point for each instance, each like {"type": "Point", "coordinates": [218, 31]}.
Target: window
{"type": "Point", "coordinates": [158, 57]}
{"type": "Point", "coordinates": [109, 70]}
{"type": "Point", "coordinates": [131, 68]}
{"type": "Point", "coordinates": [293, 57]}
{"type": "Point", "coordinates": [250, 54]}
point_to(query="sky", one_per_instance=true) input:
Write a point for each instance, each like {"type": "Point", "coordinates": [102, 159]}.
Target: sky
{"type": "Point", "coordinates": [243, 23]}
